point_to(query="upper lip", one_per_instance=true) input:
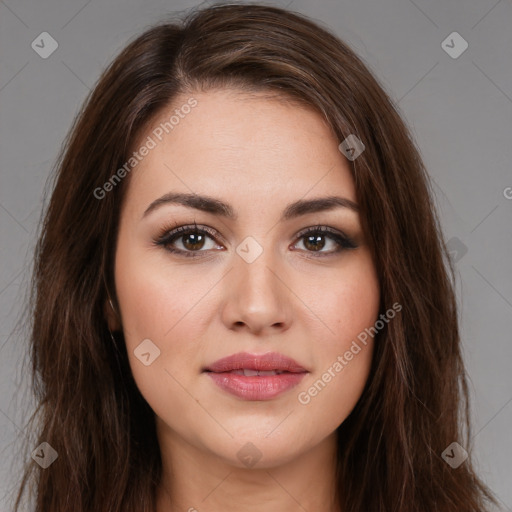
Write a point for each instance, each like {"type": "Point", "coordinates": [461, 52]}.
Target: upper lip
{"type": "Point", "coordinates": [261, 362]}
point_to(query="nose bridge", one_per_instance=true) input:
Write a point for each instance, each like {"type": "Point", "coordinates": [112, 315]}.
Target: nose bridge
{"type": "Point", "coordinates": [255, 294]}
{"type": "Point", "coordinates": [257, 266]}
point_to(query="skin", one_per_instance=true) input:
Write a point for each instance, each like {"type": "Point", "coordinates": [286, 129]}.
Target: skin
{"type": "Point", "coordinates": [258, 154]}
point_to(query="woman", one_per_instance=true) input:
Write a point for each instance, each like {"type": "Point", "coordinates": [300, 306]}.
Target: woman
{"type": "Point", "coordinates": [241, 300]}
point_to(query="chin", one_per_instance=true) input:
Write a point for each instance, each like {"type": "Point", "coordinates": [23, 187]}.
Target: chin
{"type": "Point", "coordinates": [255, 451]}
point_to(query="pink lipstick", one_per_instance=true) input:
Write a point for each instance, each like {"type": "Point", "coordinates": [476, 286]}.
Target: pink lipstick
{"type": "Point", "coordinates": [256, 376]}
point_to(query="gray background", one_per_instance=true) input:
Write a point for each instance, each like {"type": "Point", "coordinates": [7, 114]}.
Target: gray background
{"type": "Point", "coordinates": [459, 110]}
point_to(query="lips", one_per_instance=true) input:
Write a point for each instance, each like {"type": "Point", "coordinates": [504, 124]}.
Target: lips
{"type": "Point", "coordinates": [252, 373]}
{"type": "Point", "coordinates": [256, 377]}
{"type": "Point", "coordinates": [272, 361]}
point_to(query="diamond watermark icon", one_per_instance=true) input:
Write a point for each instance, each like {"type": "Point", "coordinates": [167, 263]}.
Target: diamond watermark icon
{"type": "Point", "coordinates": [249, 455]}
{"type": "Point", "coordinates": [44, 45]}
{"type": "Point", "coordinates": [249, 249]}
{"type": "Point", "coordinates": [454, 45]}
{"type": "Point", "coordinates": [454, 455]}
{"type": "Point", "coordinates": [351, 147]}
{"type": "Point", "coordinates": [44, 455]}
{"type": "Point", "coordinates": [146, 352]}
{"type": "Point", "coordinates": [456, 249]}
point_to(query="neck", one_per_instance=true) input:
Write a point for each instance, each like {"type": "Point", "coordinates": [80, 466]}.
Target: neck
{"type": "Point", "coordinates": [194, 480]}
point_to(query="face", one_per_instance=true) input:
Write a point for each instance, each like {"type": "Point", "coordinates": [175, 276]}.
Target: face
{"type": "Point", "coordinates": [258, 269]}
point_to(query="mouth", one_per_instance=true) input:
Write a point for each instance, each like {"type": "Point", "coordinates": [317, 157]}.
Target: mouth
{"type": "Point", "coordinates": [248, 372]}
{"type": "Point", "coordinates": [258, 364]}
{"type": "Point", "coordinates": [256, 377]}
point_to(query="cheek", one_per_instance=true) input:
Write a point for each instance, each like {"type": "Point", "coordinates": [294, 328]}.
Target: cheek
{"type": "Point", "coordinates": [159, 306]}
{"type": "Point", "coordinates": [331, 392]}
{"type": "Point", "coordinates": [171, 310]}
{"type": "Point", "coordinates": [329, 397]}
{"type": "Point", "coordinates": [158, 309]}
{"type": "Point", "coordinates": [347, 302]}
{"type": "Point", "coordinates": [156, 298]}
{"type": "Point", "coordinates": [350, 307]}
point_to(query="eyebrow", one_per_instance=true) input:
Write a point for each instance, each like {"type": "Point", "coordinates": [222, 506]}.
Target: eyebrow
{"type": "Point", "coordinates": [218, 207]}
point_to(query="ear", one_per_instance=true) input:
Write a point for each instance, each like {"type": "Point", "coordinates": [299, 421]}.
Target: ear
{"type": "Point", "coordinates": [111, 316]}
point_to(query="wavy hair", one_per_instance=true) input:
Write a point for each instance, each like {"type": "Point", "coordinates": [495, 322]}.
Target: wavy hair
{"type": "Point", "coordinates": [415, 402]}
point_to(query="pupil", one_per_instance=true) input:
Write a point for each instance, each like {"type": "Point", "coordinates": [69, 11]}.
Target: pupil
{"type": "Point", "coordinates": [196, 243]}
{"type": "Point", "coordinates": [313, 240]}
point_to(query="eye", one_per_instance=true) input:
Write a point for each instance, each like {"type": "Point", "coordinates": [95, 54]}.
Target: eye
{"type": "Point", "coordinates": [187, 240]}
{"type": "Point", "coordinates": [190, 240]}
{"type": "Point", "coordinates": [316, 238]}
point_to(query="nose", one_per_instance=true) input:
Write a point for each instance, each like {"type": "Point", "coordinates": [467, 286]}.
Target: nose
{"type": "Point", "coordinates": [257, 296]}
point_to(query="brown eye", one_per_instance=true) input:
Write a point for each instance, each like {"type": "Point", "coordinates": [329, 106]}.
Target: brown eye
{"type": "Point", "coordinates": [193, 241]}
{"type": "Point", "coordinates": [317, 238]}
{"type": "Point", "coordinates": [188, 240]}
{"type": "Point", "coordinates": [314, 242]}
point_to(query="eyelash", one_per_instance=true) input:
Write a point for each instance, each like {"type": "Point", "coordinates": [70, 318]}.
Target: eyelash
{"type": "Point", "coordinates": [169, 235]}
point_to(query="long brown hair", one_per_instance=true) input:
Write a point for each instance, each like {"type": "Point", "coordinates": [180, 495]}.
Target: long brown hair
{"type": "Point", "coordinates": [415, 403]}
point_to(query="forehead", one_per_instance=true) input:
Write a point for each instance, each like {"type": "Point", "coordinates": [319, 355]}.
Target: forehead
{"type": "Point", "coordinates": [237, 143]}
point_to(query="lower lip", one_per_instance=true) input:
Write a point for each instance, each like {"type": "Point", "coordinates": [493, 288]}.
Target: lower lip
{"type": "Point", "coordinates": [254, 387]}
